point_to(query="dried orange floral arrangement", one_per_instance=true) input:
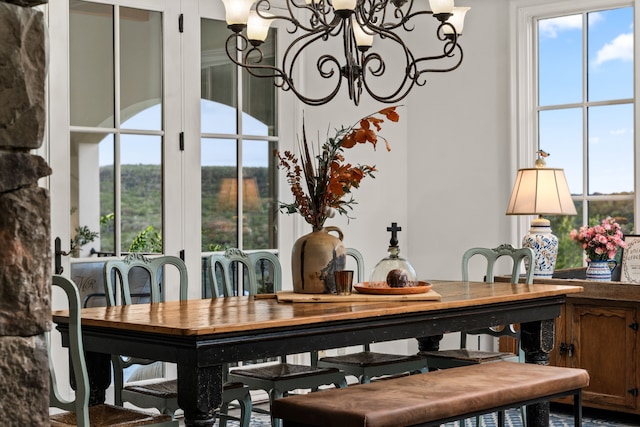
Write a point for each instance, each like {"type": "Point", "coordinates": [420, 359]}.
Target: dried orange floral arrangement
{"type": "Point", "coordinates": [328, 181]}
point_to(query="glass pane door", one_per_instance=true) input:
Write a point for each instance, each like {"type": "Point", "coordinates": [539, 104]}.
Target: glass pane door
{"type": "Point", "coordinates": [117, 133]}
{"type": "Point", "coordinates": [238, 138]}
{"type": "Point", "coordinates": [237, 141]}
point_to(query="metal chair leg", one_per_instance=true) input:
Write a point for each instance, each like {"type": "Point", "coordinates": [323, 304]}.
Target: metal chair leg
{"type": "Point", "coordinates": [577, 408]}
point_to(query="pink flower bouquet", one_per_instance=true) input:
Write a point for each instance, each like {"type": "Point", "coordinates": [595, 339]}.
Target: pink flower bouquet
{"type": "Point", "coordinates": [600, 242]}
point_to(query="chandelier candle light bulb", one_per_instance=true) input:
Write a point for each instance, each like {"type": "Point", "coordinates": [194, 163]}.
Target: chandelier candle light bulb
{"type": "Point", "coordinates": [257, 27]}
{"type": "Point", "coordinates": [457, 20]}
{"type": "Point", "coordinates": [364, 40]}
{"type": "Point", "coordinates": [441, 6]}
{"type": "Point", "coordinates": [237, 13]}
{"type": "Point", "coordinates": [344, 5]}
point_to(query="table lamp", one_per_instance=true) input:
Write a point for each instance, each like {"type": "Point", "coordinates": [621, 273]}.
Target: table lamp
{"type": "Point", "coordinates": [541, 191]}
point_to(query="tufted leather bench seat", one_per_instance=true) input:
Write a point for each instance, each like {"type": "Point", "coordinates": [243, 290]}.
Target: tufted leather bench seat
{"type": "Point", "coordinates": [433, 398]}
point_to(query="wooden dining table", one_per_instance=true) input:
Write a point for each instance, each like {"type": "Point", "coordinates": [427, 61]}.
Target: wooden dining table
{"type": "Point", "coordinates": [202, 335]}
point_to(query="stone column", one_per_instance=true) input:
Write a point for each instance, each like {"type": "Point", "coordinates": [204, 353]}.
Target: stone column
{"type": "Point", "coordinates": [25, 243]}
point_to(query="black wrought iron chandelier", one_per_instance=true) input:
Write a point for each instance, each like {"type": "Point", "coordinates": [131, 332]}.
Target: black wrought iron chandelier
{"type": "Point", "coordinates": [360, 24]}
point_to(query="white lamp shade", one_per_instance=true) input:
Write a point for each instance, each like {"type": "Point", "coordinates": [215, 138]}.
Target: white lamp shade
{"type": "Point", "coordinates": [441, 6]}
{"type": "Point", "coordinates": [237, 11]}
{"type": "Point", "coordinates": [363, 38]}
{"type": "Point", "coordinates": [541, 191]}
{"type": "Point", "coordinates": [457, 20]}
{"type": "Point", "coordinates": [344, 4]}
{"type": "Point", "coordinates": [258, 27]}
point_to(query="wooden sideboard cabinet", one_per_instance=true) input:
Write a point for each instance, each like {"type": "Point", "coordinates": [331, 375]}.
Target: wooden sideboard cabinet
{"type": "Point", "coordinates": [598, 330]}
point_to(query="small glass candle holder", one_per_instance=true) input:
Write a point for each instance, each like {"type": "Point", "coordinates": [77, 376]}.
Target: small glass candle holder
{"type": "Point", "coordinates": [344, 280]}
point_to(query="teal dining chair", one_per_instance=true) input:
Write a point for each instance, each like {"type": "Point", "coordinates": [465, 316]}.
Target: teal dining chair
{"type": "Point", "coordinates": [277, 379]}
{"type": "Point", "coordinates": [78, 412]}
{"type": "Point", "coordinates": [368, 364]}
{"type": "Point", "coordinates": [160, 393]}
{"type": "Point", "coordinates": [443, 359]}
{"type": "Point", "coordinates": [235, 272]}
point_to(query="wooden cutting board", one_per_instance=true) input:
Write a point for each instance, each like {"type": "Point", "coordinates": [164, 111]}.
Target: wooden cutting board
{"type": "Point", "coordinates": [290, 296]}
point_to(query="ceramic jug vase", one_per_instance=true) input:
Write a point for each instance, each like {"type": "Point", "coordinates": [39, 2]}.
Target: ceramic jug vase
{"type": "Point", "coordinates": [314, 259]}
{"type": "Point", "coordinates": [600, 271]}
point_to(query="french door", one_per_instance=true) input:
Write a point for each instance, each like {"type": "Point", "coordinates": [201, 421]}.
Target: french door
{"type": "Point", "coordinates": [116, 141]}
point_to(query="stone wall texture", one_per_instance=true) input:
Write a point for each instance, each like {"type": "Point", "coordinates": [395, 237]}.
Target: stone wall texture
{"type": "Point", "coordinates": [24, 362]}
{"type": "Point", "coordinates": [23, 69]}
{"type": "Point", "coordinates": [25, 231]}
{"type": "Point", "coordinates": [25, 262]}
{"type": "Point", "coordinates": [20, 170]}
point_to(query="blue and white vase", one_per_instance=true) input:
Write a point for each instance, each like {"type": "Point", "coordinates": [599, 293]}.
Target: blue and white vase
{"type": "Point", "coordinates": [600, 271]}
{"type": "Point", "coordinates": [544, 246]}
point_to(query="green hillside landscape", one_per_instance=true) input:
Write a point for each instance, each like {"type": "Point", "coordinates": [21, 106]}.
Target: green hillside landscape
{"type": "Point", "coordinates": [141, 198]}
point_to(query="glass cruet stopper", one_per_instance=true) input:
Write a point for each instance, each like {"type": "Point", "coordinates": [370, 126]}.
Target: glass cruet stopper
{"type": "Point", "coordinates": [393, 270]}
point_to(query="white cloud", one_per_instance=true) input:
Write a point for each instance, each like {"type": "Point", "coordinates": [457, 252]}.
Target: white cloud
{"type": "Point", "coordinates": [620, 131]}
{"type": "Point", "coordinates": [595, 17]}
{"type": "Point", "coordinates": [551, 27]}
{"type": "Point", "coordinates": [620, 48]}
{"type": "Point", "coordinates": [594, 140]}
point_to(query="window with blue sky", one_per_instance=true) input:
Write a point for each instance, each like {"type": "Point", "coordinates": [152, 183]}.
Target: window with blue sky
{"type": "Point", "coordinates": [585, 115]}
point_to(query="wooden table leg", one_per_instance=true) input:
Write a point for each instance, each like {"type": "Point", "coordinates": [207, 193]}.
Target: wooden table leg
{"type": "Point", "coordinates": [431, 343]}
{"type": "Point", "coordinates": [537, 340]}
{"type": "Point", "coordinates": [99, 372]}
{"type": "Point", "coordinates": [199, 393]}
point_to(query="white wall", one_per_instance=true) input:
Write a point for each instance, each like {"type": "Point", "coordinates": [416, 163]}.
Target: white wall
{"type": "Point", "coordinates": [458, 150]}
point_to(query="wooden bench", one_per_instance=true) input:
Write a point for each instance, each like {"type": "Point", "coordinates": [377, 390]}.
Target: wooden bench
{"type": "Point", "coordinates": [435, 398]}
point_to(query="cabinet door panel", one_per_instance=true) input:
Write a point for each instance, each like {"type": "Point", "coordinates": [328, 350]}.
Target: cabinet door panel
{"type": "Point", "coordinates": [605, 346]}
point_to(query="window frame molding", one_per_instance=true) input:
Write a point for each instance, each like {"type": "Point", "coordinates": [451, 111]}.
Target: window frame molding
{"type": "Point", "coordinates": [523, 133]}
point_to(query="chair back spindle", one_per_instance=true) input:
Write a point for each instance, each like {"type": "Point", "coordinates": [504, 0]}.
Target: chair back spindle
{"type": "Point", "coordinates": [359, 260]}
{"type": "Point", "coordinates": [118, 275]}
{"type": "Point", "coordinates": [492, 255]}
{"type": "Point", "coordinates": [225, 263]}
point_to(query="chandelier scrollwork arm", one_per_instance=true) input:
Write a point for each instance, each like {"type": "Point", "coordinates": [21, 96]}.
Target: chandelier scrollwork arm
{"type": "Point", "coordinates": [408, 79]}
{"type": "Point", "coordinates": [362, 25]}
{"type": "Point", "coordinates": [449, 51]}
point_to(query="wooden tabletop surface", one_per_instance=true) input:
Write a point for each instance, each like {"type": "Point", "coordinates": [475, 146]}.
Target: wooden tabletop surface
{"type": "Point", "coordinates": [235, 314]}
